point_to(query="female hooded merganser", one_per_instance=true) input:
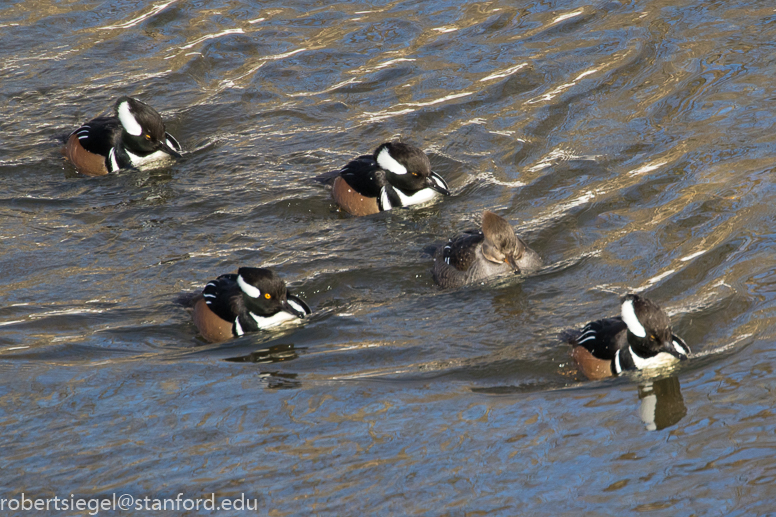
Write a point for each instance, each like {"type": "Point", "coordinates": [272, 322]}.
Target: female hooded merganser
{"type": "Point", "coordinates": [134, 137]}
{"type": "Point", "coordinates": [640, 338]}
{"type": "Point", "coordinates": [477, 255]}
{"type": "Point", "coordinates": [253, 299]}
{"type": "Point", "coordinates": [397, 174]}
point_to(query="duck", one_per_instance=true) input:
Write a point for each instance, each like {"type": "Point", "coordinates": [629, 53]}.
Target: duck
{"type": "Point", "coordinates": [482, 254]}
{"type": "Point", "coordinates": [396, 175]}
{"type": "Point", "coordinates": [253, 299]}
{"type": "Point", "coordinates": [639, 338]}
{"type": "Point", "coordinates": [134, 137]}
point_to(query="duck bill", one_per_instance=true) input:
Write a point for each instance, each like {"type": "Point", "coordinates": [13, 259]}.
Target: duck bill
{"type": "Point", "coordinates": [169, 150]}
{"type": "Point", "coordinates": [295, 306]}
{"type": "Point", "coordinates": [512, 261]}
{"type": "Point", "coordinates": [436, 182]}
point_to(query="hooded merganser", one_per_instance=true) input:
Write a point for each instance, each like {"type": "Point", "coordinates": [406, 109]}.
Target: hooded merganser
{"type": "Point", "coordinates": [477, 255]}
{"type": "Point", "coordinates": [134, 137]}
{"type": "Point", "coordinates": [253, 299]}
{"type": "Point", "coordinates": [397, 174]}
{"type": "Point", "coordinates": [640, 338]}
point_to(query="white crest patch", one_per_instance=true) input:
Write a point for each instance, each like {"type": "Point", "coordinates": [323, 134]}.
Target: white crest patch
{"type": "Point", "coordinates": [387, 162]}
{"type": "Point", "coordinates": [630, 319]}
{"type": "Point", "coordinates": [253, 292]}
{"type": "Point", "coordinates": [128, 120]}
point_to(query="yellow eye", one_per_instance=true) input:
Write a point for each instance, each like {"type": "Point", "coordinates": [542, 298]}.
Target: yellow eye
{"type": "Point", "coordinates": [267, 296]}
{"type": "Point", "coordinates": [415, 174]}
{"type": "Point", "coordinates": [654, 337]}
{"type": "Point", "coordinates": [148, 137]}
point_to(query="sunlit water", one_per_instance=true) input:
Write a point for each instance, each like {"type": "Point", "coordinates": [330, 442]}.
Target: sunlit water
{"type": "Point", "coordinates": [631, 143]}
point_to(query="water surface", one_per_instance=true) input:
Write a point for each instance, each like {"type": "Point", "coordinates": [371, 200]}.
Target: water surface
{"type": "Point", "coordinates": [631, 144]}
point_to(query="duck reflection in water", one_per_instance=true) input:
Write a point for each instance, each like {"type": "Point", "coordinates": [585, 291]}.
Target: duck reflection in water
{"type": "Point", "coordinates": [273, 354]}
{"type": "Point", "coordinates": [662, 404]}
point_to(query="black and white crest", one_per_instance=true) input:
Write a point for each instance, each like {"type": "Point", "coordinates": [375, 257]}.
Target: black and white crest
{"type": "Point", "coordinates": [138, 118]}
{"type": "Point", "coordinates": [641, 314]}
{"type": "Point", "coordinates": [144, 138]}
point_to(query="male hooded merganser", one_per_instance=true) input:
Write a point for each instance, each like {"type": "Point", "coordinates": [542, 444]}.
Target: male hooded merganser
{"type": "Point", "coordinates": [397, 174]}
{"type": "Point", "coordinates": [253, 299]}
{"type": "Point", "coordinates": [640, 338]}
{"type": "Point", "coordinates": [477, 255]}
{"type": "Point", "coordinates": [134, 137]}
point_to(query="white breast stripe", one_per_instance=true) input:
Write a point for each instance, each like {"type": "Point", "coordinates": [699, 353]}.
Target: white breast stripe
{"type": "Point", "coordinates": [617, 367]}
{"type": "Point", "coordinates": [209, 295]}
{"type": "Point", "coordinates": [114, 163]}
{"type": "Point", "coordinates": [128, 120]}
{"type": "Point", "coordinates": [247, 288]}
{"type": "Point", "coordinates": [384, 201]}
{"type": "Point", "coordinates": [237, 328]}
{"type": "Point", "coordinates": [387, 162]}
{"type": "Point", "coordinates": [679, 348]}
{"type": "Point", "coordinates": [630, 319]}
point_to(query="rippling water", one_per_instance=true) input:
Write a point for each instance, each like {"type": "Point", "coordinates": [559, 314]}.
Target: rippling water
{"type": "Point", "coordinates": [631, 143]}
